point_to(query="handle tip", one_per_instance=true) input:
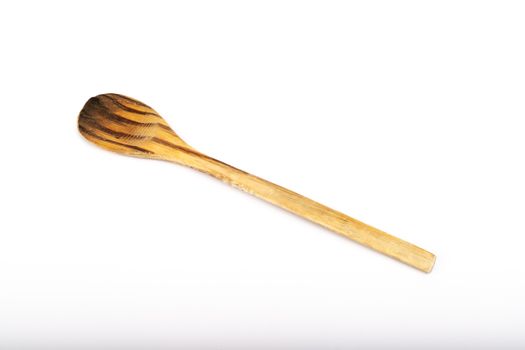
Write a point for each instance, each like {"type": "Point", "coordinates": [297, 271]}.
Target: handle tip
{"type": "Point", "coordinates": [429, 264]}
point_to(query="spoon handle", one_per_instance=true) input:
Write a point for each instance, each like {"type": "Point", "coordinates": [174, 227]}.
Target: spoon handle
{"type": "Point", "coordinates": [315, 212]}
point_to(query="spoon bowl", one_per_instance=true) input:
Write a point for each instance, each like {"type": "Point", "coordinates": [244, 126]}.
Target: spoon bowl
{"type": "Point", "coordinates": [125, 125]}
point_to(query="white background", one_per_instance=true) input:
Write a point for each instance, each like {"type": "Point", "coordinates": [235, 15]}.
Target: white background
{"type": "Point", "coordinates": [406, 115]}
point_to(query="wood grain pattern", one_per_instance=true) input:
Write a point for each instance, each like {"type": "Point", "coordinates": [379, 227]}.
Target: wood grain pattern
{"type": "Point", "coordinates": [127, 126]}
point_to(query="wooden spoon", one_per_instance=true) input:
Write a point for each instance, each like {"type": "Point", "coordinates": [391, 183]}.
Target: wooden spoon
{"type": "Point", "coordinates": [124, 125]}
